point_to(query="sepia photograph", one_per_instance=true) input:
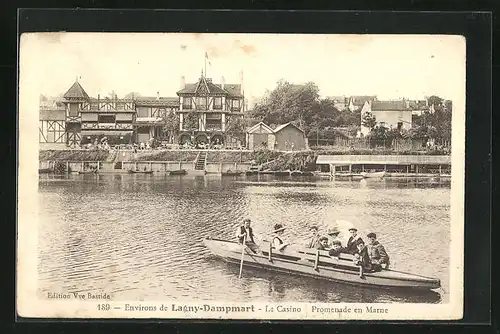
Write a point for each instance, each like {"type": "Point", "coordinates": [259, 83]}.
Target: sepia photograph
{"type": "Point", "coordinates": [241, 176]}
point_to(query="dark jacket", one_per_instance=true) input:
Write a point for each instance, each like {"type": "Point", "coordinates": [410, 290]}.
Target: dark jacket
{"type": "Point", "coordinates": [336, 253]}
{"type": "Point", "coordinates": [377, 253]}
{"type": "Point", "coordinates": [364, 259]}
{"type": "Point", "coordinates": [352, 244]}
{"type": "Point", "coordinates": [243, 231]}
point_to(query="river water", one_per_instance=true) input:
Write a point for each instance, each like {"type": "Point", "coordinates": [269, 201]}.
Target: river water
{"type": "Point", "coordinates": [139, 237]}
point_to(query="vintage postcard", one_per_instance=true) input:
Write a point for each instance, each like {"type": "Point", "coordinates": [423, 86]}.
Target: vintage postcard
{"type": "Point", "coordinates": [241, 176]}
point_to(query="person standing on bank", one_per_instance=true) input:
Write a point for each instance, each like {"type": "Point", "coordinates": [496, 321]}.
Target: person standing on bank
{"type": "Point", "coordinates": [245, 232]}
{"type": "Point", "coordinates": [377, 253]}
{"type": "Point", "coordinates": [354, 240]}
{"type": "Point", "coordinates": [278, 242]}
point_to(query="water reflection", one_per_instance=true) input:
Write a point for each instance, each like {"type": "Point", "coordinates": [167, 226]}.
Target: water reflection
{"type": "Point", "coordinates": [140, 237]}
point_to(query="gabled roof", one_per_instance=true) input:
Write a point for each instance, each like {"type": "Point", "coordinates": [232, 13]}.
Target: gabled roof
{"type": "Point", "coordinates": [76, 92]}
{"type": "Point", "coordinates": [206, 86]}
{"type": "Point", "coordinates": [282, 126]}
{"type": "Point", "coordinates": [389, 105]}
{"type": "Point", "coordinates": [232, 89]}
{"type": "Point", "coordinates": [258, 126]}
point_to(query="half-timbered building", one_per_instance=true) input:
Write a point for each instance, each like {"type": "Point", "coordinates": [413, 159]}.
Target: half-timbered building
{"type": "Point", "coordinates": [204, 109]}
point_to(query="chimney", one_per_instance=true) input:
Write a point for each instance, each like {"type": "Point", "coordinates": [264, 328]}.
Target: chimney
{"type": "Point", "coordinates": [157, 96]}
{"type": "Point", "coordinates": [223, 82]}
{"type": "Point", "coordinates": [183, 82]}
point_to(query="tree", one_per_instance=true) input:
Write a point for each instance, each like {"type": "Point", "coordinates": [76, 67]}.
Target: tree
{"type": "Point", "coordinates": [369, 121]}
{"type": "Point", "coordinates": [171, 127]}
{"type": "Point", "coordinates": [235, 126]}
{"type": "Point", "coordinates": [287, 102]}
{"type": "Point", "coordinates": [190, 120]}
{"type": "Point", "coordinates": [131, 95]}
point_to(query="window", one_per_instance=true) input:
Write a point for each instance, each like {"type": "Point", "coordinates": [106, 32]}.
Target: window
{"type": "Point", "coordinates": [201, 103]}
{"type": "Point", "coordinates": [143, 112]}
{"type": "Point", "coordinates": [73, 109]}
{"type": "Point", "coordinates": [218, 103]}
{"type": "Point", "coordinates": [235, 104]}
{"type": "Point", "coordinates": [187, 103]}
{"type": "Point", "coordinates": [106, 118]}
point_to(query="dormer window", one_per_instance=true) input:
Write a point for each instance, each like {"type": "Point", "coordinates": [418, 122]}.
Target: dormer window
{"type": "Point", "coordinates": [201, 103]}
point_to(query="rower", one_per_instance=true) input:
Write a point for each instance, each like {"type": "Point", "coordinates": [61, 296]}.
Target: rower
{"type": "Point", "coordinates": [277, 241]}
{"type": "Point", "coordinates": [245, 232]}
{"type": "Point", "coordinates": [377, 253]}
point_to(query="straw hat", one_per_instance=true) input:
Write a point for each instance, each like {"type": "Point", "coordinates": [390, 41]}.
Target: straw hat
{"type": "Point", "coordinates": [278, 228]}
{"type": "Point", "coordinates": [333, 230]}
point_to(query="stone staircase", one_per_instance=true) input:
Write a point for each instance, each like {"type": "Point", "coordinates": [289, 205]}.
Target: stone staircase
{"type": "Point", "coordinates": [201, 161]}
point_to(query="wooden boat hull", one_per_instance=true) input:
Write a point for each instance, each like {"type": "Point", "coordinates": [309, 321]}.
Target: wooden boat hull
{"type": "Point", "coordinates": [231, 174]}
{"type": "Point", "coordinates": [178, 172]}
{"type": "Point", "coordinates": [302, 262]}
{"type": "Point", "coordinates": [45, 170]}
{"type": "Point", "coordinates": [377, 175]}
{"type": "Point", "coordinates": [140, 172]}
{"type": "Point", "coordinates": [87, 172]}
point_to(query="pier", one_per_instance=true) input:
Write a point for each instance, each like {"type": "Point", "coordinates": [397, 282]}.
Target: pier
{"type": "Point", "coordinates": [393, 164]}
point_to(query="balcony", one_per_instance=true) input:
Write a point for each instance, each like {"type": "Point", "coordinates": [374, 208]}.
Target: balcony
{"type": "Point", "coordinates": [107, 126]}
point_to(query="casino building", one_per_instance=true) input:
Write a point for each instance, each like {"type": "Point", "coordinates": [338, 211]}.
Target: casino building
{"type": "Point", "coordinates": [203, 110]}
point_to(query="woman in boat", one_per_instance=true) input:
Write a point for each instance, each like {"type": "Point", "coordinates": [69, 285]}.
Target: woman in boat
{"type": "Point", "coordinates": [278, 243]}
{"type": "Point", "coordinates": [245, 232]}
{"type": "Point", "coordinates": [354, 240]}
{"type": "Point", "coordinates": [335, 249]}
{"type": "Point", "coordinates": [333, 236]}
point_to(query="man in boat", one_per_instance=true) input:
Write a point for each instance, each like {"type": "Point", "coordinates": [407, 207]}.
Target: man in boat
{"type": "Point", "coordinates": [354, 240]}
{"type": "Point", "coordinates": [313, 241]}
{"type": "Point", "coordinates": [322, 244]}
{"type": "Point", "coordinates": [377, 253]}
{"type": "Point", "coordinates": [245, 232]}
{"type": "Point", "coordinates": [362, 259]}
{"type": "Point", "coordinates": [278, 242]}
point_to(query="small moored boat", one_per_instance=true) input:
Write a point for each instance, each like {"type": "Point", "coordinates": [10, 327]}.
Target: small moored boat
{"type": "Point", "coordinates": [373, 175]}
{"type": "Point", "coordinates": [45, 170]}
{"type": "Point", "coordinates": [230, 173]}
{"type": "Point", "coordinates": [178, 172]}
{"type": "Point", "coordinates": [93, 171]}
{"type": "Point", "coordinates": [140, 172]}
{"type": "Point", "coordinates": [296, 173]}
{"type": "Point", "coordinates": [317, 264]}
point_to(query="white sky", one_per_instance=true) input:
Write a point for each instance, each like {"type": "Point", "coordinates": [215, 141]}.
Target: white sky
{"type": "Point", "coordinates": [388, 66]}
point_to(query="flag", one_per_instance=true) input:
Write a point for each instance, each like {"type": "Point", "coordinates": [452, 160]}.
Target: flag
{"type": "Point", "coordinates": [206, 56]}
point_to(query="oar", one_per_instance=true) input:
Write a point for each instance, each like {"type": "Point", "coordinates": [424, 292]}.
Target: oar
{"type": "Point", "coordinates": [242, 255]}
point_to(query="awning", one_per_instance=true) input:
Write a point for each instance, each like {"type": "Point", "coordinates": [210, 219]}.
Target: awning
{"type": "Point", "coordinates": [105, 133]}
{"type": "Point", "coordinates": [384, 159]}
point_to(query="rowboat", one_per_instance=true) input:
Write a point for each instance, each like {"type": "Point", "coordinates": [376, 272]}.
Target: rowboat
{"type": "Point", "coordinates": [230, 173]}
{"type": "Point", "coordinates": [317, 264]}
{"type": "Point", "coordinates": [296, 173]}
{"type": "Point", "coordinates": [87, 172]}
{"type": "Point", "coordinates": [178, 172]}
{"type": "Point", "coordinates": [140, 172]}
{"type": "Point", "coordinates": [373, 174]}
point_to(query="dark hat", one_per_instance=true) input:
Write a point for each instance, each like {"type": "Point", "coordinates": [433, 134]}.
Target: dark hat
{"type": "Point", "coordinates": [278, 228]}
{"type": "Point", "coordinates": [247, 220]}
{"type": "Point", "coordinates": [372, 235]}
{"type": "Point", "coordinates": [313, 227]}
{"type": "Point", "coordinates": [323, 238]}
{"type": "Point", "coordinates": [353, 229]}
